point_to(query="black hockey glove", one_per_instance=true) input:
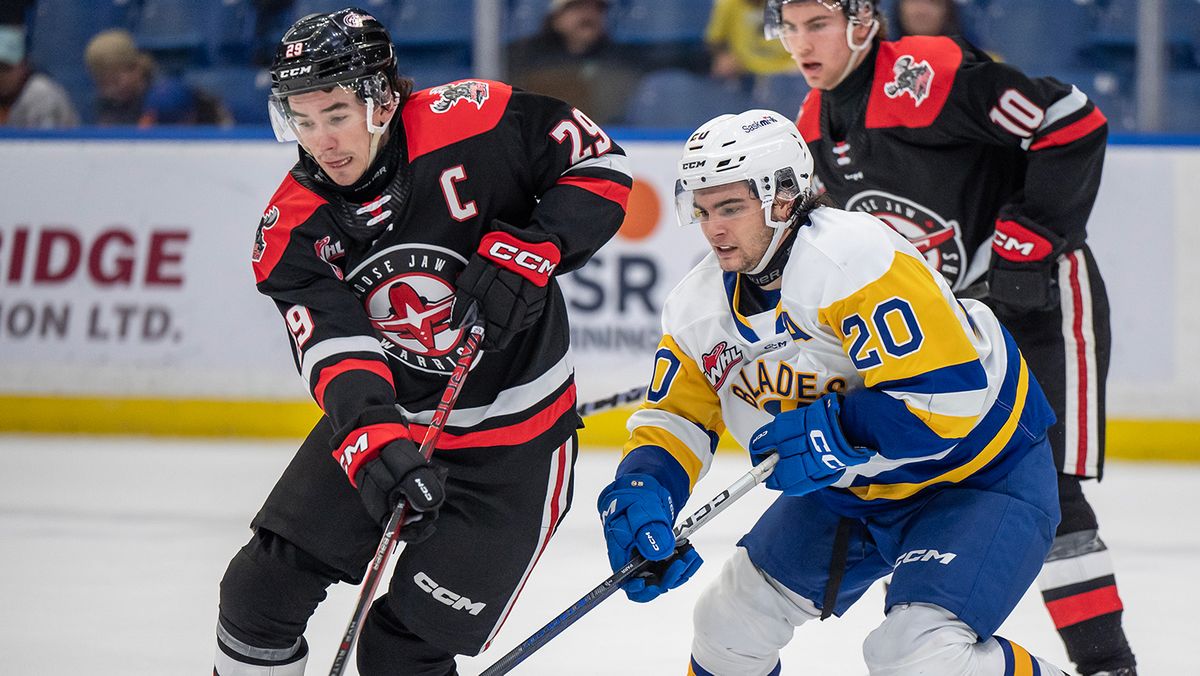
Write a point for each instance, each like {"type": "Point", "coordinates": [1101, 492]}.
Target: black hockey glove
{"type": "Point", "coordinates": [508, 276]}
{"type": "Point", "coordinates": [385, 466]}
{"type": "Point", "coordinates": [1024, 261]}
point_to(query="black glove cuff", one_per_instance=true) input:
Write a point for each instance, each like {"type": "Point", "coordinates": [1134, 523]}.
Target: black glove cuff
{"type": "Point", "coordinates": [1023, 287]}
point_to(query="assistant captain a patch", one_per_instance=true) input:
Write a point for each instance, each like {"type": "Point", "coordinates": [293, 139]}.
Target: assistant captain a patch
{"type": "Point", "coordinates": [408, 293]}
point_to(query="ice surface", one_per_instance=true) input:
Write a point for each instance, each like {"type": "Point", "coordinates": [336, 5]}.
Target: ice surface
{"type": "Point", "coordinates": [112, 550]}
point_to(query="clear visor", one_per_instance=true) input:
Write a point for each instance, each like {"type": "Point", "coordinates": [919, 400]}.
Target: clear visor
{"type": "Point", "coordinates": [775, 28]}
{"type": "Point", "coordinates": [735, 200]}
{"type": "Point", "coordinates": [372, 90]}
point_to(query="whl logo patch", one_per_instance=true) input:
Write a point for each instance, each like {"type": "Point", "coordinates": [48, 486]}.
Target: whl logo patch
{"type": "Point", "coordinates": [718, 363]}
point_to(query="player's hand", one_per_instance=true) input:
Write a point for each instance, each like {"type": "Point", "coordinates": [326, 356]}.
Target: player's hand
{"type": "Point", "coordinates": [813, 451]}
{"type": "Point", "coordinates": [390, 471]}
{"type": "Point", "coordinates": [638, 514]}
{"type": "Point", "coordinates": [508, 275]}
{"type": "Point", "coordinates": [1022, 274]}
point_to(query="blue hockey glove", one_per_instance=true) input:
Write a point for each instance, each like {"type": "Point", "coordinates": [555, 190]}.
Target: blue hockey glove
{"type": "Point", "coordinates": [813, 451]}
{"type": "Point", "coordinates": [638, 514]}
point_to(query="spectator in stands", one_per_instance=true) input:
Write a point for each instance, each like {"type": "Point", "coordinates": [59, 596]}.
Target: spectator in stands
{"type": "Point", "coordinates": [927, 17]}
{"type": "Point", "coordinates": [133, 92]}
{"type": "Point", "coordinates": [29, 99]}
{"type": "Point", "coordinates": [735, 39]}
{"type": "Point", "coordinates": [573, 58]}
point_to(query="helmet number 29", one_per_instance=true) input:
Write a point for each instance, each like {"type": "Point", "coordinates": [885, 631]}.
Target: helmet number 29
{"type": "Point", "coordinates": [599, 142]}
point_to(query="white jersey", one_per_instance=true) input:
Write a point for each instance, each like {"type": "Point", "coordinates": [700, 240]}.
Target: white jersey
{"type": "Point", "coordinates": [934, 385]}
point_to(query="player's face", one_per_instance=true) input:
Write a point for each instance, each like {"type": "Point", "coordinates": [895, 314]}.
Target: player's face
{"type": "Point", "coordinates": [815, 36]}
{"type": "Point", "coordinates": [732, 220]}
{"type": "Point", "coordinates": [332, 127]}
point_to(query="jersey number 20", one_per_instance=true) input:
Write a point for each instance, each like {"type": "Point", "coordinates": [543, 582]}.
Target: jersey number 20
{"type": "Point", "coordinates": [860, 332]}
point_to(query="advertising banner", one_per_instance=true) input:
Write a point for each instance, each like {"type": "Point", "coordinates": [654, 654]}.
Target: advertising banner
{"type": "Point", "coordinates": [125, 272]}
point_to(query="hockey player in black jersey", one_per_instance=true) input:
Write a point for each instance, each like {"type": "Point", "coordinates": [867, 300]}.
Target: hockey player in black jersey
{"type": "Point", "coordinates": [403, 209]}
{"type": "Point", "coordinates": [992, 174]}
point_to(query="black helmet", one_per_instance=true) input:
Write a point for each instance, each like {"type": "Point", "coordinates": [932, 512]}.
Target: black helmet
{"type": "Point", "coordinates": [853, 9]}
{"type": "Point", "coordinates": [323, 50]}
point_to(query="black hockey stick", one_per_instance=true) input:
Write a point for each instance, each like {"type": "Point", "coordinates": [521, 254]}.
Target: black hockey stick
{"type": "Point", "coordinates": [606, 588]}
{"type": "Point", "coordinates": [612, 401]}
{"type": "Point", "coordinates": [388, 543]}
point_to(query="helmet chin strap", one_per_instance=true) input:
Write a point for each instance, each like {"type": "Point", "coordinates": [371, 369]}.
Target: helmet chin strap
{"type": "Point", "coordinates": [856, 50]}
{"type": "Point", "coordinates": [375, 130]}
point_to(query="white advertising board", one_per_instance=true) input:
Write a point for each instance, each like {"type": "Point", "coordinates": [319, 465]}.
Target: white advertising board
{"type": "Point", "coordinates": [124, 271]}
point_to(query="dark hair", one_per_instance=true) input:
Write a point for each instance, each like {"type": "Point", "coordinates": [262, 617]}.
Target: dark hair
{"type": "Point", "coordinates": [809, 203]}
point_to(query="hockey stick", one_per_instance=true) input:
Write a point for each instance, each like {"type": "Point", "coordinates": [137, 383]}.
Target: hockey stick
{"type": "Point", "coordinates": [611, 401]}
{"type": "Point", "coordinates": [606, 588]}
{"type": "Point", "coordinates": [388, 543]}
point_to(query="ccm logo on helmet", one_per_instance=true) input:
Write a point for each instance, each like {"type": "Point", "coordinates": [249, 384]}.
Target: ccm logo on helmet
{"type": "Point", "coordinates": [692, 165]}
{"type": "Point", "coordinates": [443, 595]}
{"type": "Point", "coordinates": [293, 72]}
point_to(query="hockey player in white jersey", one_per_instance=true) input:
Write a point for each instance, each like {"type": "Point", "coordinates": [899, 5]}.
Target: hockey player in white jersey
{"type": "Point", "coordinates": [911, 435]}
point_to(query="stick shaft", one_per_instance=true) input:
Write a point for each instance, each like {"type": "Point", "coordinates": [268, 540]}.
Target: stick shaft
{"type": "Point", "coordinates": [390, 532]}
{"type": "Point", "coordinates": [610, 585]}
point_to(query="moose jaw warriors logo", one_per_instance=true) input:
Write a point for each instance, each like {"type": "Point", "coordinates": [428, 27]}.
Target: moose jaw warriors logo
{"type": "Point", "coordinates": [938, 240]}
{"type": "Point", "coordinates": [718, 363]}
{"type": "Point", "coordinates": [473, 91]}
{"type": "Point", "coordinates": [408, 294]}
{"type": "Point", "coordinates": [913, 79]}
{"type": "Point", "coordinates": [269, 219]}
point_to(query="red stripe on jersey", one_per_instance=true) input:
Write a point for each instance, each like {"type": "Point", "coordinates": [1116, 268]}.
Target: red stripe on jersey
{"type": "Point", "coordinates": [510, 435]}
{"type": "Point", "coordinates": [294, 205]}
{"type": "Point", "coordinates": [1083, 607]}
{"type": "Point", "coordinates": [1072, 132]}
{"type": "Point", "coordinates": [428, 130]}
{"type": "Point", "coordinates": [555, 498]}
{"type": "Point", "coordinates": [328, 373]}
{"type": "Point", "coordinates": [915, 104]}
{"type": "Point", "coordinates": [809, 119]}
{"type": "Point", "coordinates": [1081, 362]}
{"type": "Point", "coordinates": [609, 190]}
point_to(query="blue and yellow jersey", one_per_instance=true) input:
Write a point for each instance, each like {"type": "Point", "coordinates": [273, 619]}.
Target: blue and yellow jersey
{"type": "Point", "coordinates": [935, 386]}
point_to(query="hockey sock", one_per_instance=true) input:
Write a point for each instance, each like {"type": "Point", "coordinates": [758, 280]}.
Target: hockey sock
{"type": "Point", "coordinates": [236, 658]}
{"type": "Point", "coordinates": [1018, 660]}
{"type": "Point", "coordinates": [1080, 591]}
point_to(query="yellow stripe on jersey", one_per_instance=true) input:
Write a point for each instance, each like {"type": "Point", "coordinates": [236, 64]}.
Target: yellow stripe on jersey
{"type": "Point", "coordinates": [989, 452]}
{"type": "Point", "coordinates": [1022, 660]}
{"type": "Point", "coordinates": [945, 426]}
{"type": "Point", "coordinates": [649, 435]}
{"type": "Point", "coordinates": [680, 405]}
{"type": "Point", "coordinates": [875, 325]}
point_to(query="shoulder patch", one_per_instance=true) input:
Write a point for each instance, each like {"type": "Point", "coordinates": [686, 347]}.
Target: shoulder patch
{"type": "Point", "coordinates": [440, 116]}
{"type": "Point", "coordinates": [808, 122]}
{"type": "Point", "coordinates": [291, 205]}
{"type": "Point", "coordinates": [912, 81]}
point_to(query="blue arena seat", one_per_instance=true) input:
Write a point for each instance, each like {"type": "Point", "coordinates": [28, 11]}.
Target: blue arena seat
{"type": "Point", "coordinates": [420, 22]}
{"type": "Point", "coordinates": [243, 89]}
{"type": "Point", "coordinates": [173, 28]}
{"type": "Point", "coordinates": [231, 35]}
{"type": "Point", "coordinates": [782, 93]}
{"type": "Point", "coordinates": [1037, 35]}
{"type": "Point", "coordinates": [1182, 110]}
{"type": "Point", "coordinates": [525, 18]}
{"type": "Point", "coordinates": [678, 99]}
{"type": "Point", "coordinates": [1111, 92]}
{"type": "Point", "coordinates": [643, 21]}
{"type": "Point", "coordinates": [59, 31]}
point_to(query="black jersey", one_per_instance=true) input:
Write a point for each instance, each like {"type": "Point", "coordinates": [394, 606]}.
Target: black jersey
{"type": "Point", "coordinates": [933, 137]}
{"type": "Point", "coordinates": [366, 281]}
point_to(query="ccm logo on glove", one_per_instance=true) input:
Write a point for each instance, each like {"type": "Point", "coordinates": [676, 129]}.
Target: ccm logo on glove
{"type": "Point", "coordinates": [1017, 243]}
{"type": "Point", "coordinates": [533, 261]}
{"type": "Point", "coordinates": [822, 446]}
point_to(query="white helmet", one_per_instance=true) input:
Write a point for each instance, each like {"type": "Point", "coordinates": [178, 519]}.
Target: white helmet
{"type": "Point", "coordinates": [760, 147]}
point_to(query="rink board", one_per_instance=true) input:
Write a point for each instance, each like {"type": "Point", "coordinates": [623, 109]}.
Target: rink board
{"type": "Point", "coordinates": [127, 301]}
